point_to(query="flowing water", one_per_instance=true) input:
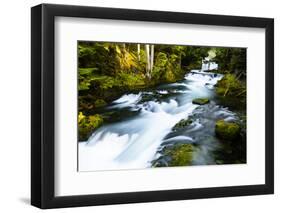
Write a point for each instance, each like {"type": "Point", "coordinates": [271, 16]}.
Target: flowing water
{"type": "Point", "coordinates": [141, 125]}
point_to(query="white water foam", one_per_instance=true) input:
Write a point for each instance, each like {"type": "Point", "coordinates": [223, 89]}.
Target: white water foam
{"type": "Point", "coordinates": [127, 100]}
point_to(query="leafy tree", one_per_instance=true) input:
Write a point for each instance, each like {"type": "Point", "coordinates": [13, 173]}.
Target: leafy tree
{"type": "Point", "coordinates": [232, 60]}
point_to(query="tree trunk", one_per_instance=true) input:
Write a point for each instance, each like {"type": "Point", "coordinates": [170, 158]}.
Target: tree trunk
{"type": "Point", "coordinates": [151, 58]}
{"type": "Point", "coordinates": [147, 60]}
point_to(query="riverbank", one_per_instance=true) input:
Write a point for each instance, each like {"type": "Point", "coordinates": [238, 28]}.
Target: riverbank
{"type": "Point", "coordinates": [107, 88]}
{"type": "Point", "coordinates": [231, 92]}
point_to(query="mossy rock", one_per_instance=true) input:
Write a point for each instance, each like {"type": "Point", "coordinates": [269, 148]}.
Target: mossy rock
{"type": "Point", "coordinates": [182, 123]}
{"type": "Point", "coordinates": [100, 103]}
{"type": "Point", "coordinates": [226, 130]}
{"type": "Point", "coordinates": [200, 101]}
{"type": "Point", "coordinates": [181, 155]}
{"type": "Point", "coordinates": [87, 124]}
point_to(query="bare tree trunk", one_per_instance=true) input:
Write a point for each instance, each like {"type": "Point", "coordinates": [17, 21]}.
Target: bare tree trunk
{"type": "Point", "coordinates": [147, 60]}
{"type": "Point", "coordinates": [151, 57]}
{"type": "Point", "coordinates": [138, 52]}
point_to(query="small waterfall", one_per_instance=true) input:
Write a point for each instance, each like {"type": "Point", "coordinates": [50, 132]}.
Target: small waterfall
{"type": "Point", "coordinates": [209, 65]}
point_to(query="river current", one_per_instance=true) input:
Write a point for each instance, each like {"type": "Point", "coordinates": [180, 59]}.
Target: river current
{"type": "Point", "coordinates": [142, 125]}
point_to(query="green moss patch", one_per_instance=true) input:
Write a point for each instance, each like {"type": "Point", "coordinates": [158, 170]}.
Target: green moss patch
{"type": "Point", "coordinates": [87, 124]}
{"type": "Point", "coordinates": [226, 130]}
{"type": "Point", "coordinates": [181, 155]}
{"type": "Point", "coordinates": [200, 101]}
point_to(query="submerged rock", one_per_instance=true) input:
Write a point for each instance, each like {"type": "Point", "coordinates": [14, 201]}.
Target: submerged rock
{"type": "Point", "coordinates": [227, 130]}
{"type": "Point", "coordinates": [200, 101]}
{"type": "Point", "coordinates": [181, 124]}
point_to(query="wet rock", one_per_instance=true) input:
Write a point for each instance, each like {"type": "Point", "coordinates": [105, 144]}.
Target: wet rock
{"type": "Point", "coordinates": [227, 130]}
{"type": "Point", "coordinates": [200, 101]}
{"type": "Point", "coordinates": [181, 124]}
{"type": "Point", "coordinates": [161, 162]}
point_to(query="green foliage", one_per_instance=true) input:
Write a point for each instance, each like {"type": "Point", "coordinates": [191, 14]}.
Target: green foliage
{"type": "Point", "coordinates": [131, 80]}
{"type": "Point", "coordinates": [84, 77]}
{"type": "Point", "coordinates": [85, 53]}
{"type": "Point", "coordinates": [161, 60]}
{"type": "Point", "coordinates": [102, 56]}
{"type": "Point", "coordinates": [227, 131]}
{"type": "Point", "coordinates": [231, 60]}
{"type": "Point", "coordinates": [229, 85]}
{"type": "Point", "coordinates": [87, 124]}
{"type": "Point", "coordinates": [100, 103]}
{"type": "Point", "coordinates": [108, 69]}
{"type": "Point", "coordinates": [200, 101]}
{"type": "Point", "coordinates": [232, 92]}
{"type": "Point", "coordinates": [127, 60]}
{"type": "Point", "coordinates": [192, 57]}
{"type": "Point", "coordinates": [181, 155]}
{"type": "Point", "coordinates": [121, 60]}
{"type": "Point", "coordinates": [169, 76]}
{"type": "Point", "coordinates": [159, 69]}
{"type": "Point", "coordinates": [167, 68]}
{"type": "Point", "coordinates": [105, 82]}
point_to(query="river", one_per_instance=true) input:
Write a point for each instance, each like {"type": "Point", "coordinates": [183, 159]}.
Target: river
{"type": "Point", "coordinates": [142, 126]}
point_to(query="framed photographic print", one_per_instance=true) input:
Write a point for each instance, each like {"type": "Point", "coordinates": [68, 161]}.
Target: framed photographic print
{"type": "Point", "coordinates": [139, 106]}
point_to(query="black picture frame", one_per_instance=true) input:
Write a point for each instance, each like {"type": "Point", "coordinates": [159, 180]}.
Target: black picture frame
{"type": "Point", "coordinates": [43, 102]}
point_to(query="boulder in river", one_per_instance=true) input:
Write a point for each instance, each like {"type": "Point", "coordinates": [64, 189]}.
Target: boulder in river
{"type": "Point", "coordinates": [182, 123]}
{"type": "Point", "coordinates": [181, 155]}
{"type": "Point", "coordinates": [227, 130]}
{"type": "Point", "coordinates": [200, 101]}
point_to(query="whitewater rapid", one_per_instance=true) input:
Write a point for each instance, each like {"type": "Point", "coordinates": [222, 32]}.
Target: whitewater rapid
{"type": "Point", "coordinates": [132, 142]}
